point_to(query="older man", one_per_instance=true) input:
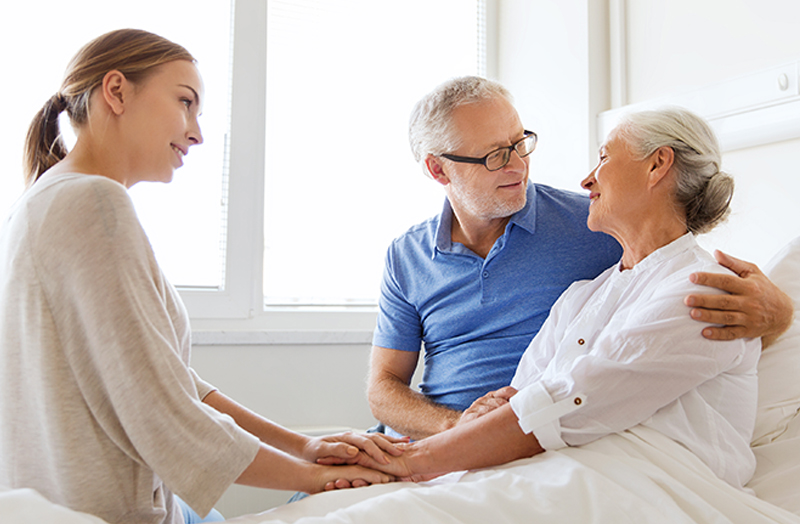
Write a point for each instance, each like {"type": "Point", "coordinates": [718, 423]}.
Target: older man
{"type": "Point", "coordinates": [476, 282]}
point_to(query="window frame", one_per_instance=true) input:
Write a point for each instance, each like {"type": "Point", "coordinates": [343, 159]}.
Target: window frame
{"type": "Point", "coordinates": [240, 302]}
{"type": "Point", "coordinates": [238, 298]}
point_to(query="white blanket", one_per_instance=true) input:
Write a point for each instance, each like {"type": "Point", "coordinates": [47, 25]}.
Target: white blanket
{"type": "Point", "coordinates": [638, 476]}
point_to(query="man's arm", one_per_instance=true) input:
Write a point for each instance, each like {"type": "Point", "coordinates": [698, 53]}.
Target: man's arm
{"type": "Point", "coordinates": [395, 404]}
{"type": "Point", "coordinates": [755, 307]}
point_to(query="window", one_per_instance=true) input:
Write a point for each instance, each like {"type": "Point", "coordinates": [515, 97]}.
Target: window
{"type": "Point", "coordinates": [294, 202]}
{"type": "Point", "coordinates": [340, 182]}
{"type": "Point", "coordinates": [184, 219]}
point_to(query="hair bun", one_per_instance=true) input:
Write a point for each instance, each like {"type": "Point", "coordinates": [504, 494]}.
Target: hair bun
{"type": "Point", "coordinates": [712, 204]}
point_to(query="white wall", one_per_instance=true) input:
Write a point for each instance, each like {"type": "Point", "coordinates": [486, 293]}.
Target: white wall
{"type": "Point", "coordinates": [297, 385]}
{"type": "Point", "coordinates": [683, 45]}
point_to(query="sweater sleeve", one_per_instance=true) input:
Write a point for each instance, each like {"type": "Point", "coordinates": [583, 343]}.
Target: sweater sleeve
{"type": "Point", "coordinates": [203, 387]}
{"type": "Point", "coordinates": [107, 297]}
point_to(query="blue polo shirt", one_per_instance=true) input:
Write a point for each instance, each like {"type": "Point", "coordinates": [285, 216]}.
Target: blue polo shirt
{"type": "Point", "coordinates": [476, 316]}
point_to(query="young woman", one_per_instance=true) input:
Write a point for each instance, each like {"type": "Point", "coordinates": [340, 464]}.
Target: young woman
{"type": "Point", "coordinates": [99, 409]}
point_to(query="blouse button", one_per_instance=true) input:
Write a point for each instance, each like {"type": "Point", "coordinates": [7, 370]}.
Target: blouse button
{"type": "Point", "coordinates": [577, 401]}
{"type": "Point", "coordinates": [581, 342]}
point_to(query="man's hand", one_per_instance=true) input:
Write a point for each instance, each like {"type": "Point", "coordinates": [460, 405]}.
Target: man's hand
{"type": "Point", "coordinates": [755, 307]}
{"type": "Point", "coordinates": [487, 403]}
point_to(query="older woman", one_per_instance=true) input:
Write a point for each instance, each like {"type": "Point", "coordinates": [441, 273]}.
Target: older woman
{"type": "Point", "coordinates": [620, 350]}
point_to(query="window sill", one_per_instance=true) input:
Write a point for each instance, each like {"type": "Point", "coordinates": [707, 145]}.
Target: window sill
{"type": "Point", "coordinates": [281, 338]}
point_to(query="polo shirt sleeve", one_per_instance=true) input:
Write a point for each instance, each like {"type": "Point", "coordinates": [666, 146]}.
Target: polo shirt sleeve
{"type": "Point", "coordinates": [399, 325]}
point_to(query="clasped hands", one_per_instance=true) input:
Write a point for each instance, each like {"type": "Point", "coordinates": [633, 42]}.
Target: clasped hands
{"type": "Point", "coordinates": [389, 455]}
{"type": "Point", "coordinates": [369, 450]}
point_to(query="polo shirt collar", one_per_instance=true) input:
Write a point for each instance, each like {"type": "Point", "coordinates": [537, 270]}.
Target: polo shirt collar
{"type": "Point", "coordinates": [524, 218]}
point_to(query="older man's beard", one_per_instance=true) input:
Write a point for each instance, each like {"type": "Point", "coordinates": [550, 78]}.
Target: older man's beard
{"type": "Point", "coordinates": [479, 204]}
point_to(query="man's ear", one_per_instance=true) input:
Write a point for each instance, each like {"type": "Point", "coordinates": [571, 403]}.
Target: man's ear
{"type": "Point", "coordinates": [436, 170]}
{"type": "Point", "coordinates": [115, 91]}
{"type": "Point", "coordinates": [660, 164]}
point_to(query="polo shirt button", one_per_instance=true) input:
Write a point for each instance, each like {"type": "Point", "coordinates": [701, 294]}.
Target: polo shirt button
{"type": "Point", "coordinates": [485, 274]}
{"type": "Point", "coordinates": [581, 342]}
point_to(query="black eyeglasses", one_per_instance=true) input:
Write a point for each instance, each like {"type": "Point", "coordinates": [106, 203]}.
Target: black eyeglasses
{"type": "Point", "coordinates": [498, 158]}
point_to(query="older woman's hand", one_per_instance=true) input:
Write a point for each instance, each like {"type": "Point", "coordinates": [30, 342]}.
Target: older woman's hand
{"type": "Point", "coordinates": [345, 448]}
{"type": "Point", "coordinates": [487, 403]}
{"type": "Point", "coordinates": [755, 307]}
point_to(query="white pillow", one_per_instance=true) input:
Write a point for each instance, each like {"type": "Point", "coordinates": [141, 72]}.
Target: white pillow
{"type": "Point", "coordinates": [779, 367]}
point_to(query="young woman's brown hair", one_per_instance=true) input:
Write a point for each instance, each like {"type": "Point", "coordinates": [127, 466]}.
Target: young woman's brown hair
{"type": "Point", "coordinates": [133, 52]}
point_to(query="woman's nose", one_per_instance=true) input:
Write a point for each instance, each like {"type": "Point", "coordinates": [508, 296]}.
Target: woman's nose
{"type": "Point", "coordinates": [195, 135]}
{"type": "Point", "coordinates": [589, 181]}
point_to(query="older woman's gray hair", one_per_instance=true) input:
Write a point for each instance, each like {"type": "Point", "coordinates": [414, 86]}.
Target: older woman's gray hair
{"type": "Point", "coordinates": [702, 190]}
{"type": "Point", "coordinates": [430, 129]}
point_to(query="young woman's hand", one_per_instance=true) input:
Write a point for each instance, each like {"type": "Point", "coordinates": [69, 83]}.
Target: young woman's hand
{"type": "Point", "coordinates": [328, 478]}
{"type": "Point", "coordinates": [345, 448]}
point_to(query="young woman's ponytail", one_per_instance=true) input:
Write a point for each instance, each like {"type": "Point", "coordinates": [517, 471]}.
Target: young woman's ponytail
{"type": "Point", "coordinates": [44, 146]}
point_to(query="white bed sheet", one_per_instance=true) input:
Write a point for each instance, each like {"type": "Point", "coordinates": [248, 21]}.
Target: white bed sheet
{"type": "Point", "coordinates": [777, 476]}
{"type": "Point", "coordinates": [638, 476]}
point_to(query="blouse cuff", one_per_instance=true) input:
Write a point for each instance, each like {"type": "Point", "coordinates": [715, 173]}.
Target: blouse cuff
{"type": "Point", "coordinates": [538, 414]}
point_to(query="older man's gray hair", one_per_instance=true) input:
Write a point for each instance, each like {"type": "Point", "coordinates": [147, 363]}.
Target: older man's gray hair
{"type": "Point", "coordinates": [430, 129]}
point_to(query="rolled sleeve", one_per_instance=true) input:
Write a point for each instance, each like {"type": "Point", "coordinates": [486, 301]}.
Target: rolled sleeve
{"type": "Point", "coordinates": [538, 414]}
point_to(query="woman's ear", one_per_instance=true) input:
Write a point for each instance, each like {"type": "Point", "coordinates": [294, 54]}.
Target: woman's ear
{"type": "Point", "coordinates": [436, 170]}
{"type": "Point", "coordinates": [660, 165]}
{"type": "Point", "coordinates": [115, 91]}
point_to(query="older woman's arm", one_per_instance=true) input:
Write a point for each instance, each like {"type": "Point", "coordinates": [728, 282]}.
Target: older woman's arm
{"type": "Point", "coordinates": [492, 439]}
{"type": "Point", "coordinates": [755, 307]}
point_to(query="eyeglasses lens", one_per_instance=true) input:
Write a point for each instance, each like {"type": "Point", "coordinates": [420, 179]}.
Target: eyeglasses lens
{"type": "Point", "coordinates": [498, 159]}
{"type": "Point", "coordinates": [501, 157]}
{"type": "Point", "coordinates": [526, 146]}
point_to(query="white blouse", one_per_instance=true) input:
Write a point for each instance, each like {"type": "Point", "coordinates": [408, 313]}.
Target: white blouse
{"type": "Point", "coordinates": [621, 350]}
